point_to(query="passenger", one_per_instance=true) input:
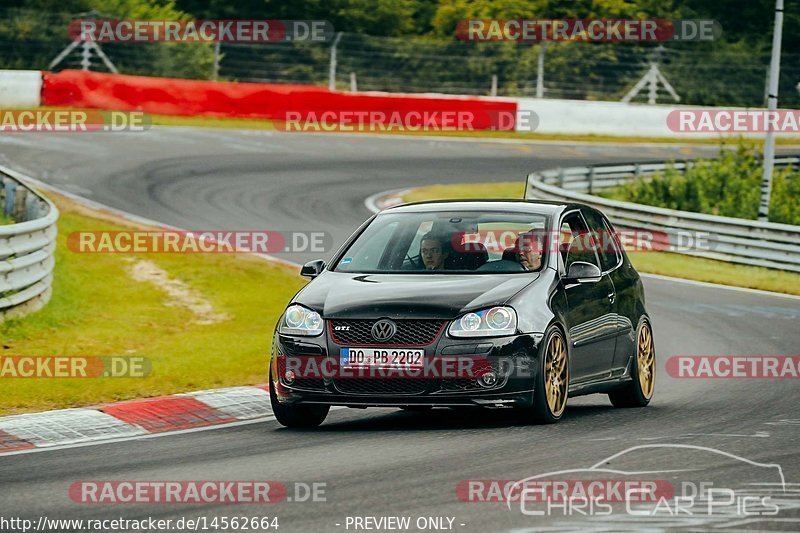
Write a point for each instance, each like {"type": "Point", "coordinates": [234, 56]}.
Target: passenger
{"type": "Point", "coordinates": [433, 251]}
{"type": "Point", "coordinates": [529, 251]}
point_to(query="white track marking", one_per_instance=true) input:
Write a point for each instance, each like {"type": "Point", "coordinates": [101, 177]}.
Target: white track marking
{"type": "Point", "coordinates": [141, 437]}
{"type": "Point", "coordinates": [150, 435]}
{"type": "Point", "coordinates": [67, 426]}
{"type": "Point", "coordinates": [719, 286]}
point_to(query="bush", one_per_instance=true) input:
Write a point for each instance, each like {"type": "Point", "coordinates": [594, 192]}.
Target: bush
{"type": "Point", "coordinates": [729, 186]}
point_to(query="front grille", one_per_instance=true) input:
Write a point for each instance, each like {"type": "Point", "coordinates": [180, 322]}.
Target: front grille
{"type": "Point", "coordinates": [409, 332]}
{"type": "Point", "coordinates": [381, 385]}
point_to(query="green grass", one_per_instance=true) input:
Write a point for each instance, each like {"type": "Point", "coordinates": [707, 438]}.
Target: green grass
{"type": "Point", "coordinates": [4, 219]}
{"type": "Point", "coordinates": [700, 269]}
{"type": "Point", "coordinates": [97, 309]}
{"type": "Point", "coordinates": [663, 263]}
{"type": "Point", "coordinates": [503, 189]}
{"type": "Point", "coordinates": [214, 122]}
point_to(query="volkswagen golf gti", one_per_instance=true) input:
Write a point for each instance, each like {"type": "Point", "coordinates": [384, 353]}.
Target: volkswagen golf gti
{"type": "Point", "coordinates": [489, 304]}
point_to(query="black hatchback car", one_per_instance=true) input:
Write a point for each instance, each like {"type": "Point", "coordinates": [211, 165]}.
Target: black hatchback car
{"type": "Point", "coordinates": [492, 303]}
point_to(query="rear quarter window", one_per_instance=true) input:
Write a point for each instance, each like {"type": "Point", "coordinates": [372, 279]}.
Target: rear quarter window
{"type": "Point", "coordinates": [606, 239]}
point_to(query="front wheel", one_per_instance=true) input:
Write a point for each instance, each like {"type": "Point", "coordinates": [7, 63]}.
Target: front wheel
{"type": "Point", "coordinates": [297, 416]}
{"type": "Point", "coordinates": [639, 391]}
{"type": "Point", "coordinates": [552, 383]}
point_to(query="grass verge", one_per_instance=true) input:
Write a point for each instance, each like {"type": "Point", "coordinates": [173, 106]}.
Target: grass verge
{"type": "Point", "coordinates": [665, 264]}
{"type": "Point", "coordinates": [269, 125]}
{"type": "Point", "coordinates": [98, 309]}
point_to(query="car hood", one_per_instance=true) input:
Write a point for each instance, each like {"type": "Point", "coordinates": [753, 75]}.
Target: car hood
{"type": "Point", "coordinates": [340, 295]}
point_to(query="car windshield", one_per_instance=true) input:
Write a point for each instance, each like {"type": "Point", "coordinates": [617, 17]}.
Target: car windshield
{"type": "Point", "coordinates": [448, 242]}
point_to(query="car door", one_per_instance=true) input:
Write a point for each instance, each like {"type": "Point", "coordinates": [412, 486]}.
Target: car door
{"type": "Point", "coordinates": [625, 281]}
{"type": "Point", "coordinates": [590, 305]}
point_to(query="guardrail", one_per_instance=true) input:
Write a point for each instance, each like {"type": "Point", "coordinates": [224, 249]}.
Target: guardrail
{"type": "Point", "coordinates": [734, 240]}
{"type": "Point", "coordinates": [26, 247]}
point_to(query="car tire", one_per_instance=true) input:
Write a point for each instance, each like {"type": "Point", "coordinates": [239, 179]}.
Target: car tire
{"type": "Point", "coordinates": [639, 391]}
{"type": "Point", "coordinates": [297, 416]}
{"type": "Point", "coordinates": [551, 387]}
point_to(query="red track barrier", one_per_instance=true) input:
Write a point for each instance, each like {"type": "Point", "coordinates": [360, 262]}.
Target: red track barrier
{"type": "Point", "coordinates": [167, 96]}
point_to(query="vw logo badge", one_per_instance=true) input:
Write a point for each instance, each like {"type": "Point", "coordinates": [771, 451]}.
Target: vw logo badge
{"type": "Point", "coordinates": [383, 330]}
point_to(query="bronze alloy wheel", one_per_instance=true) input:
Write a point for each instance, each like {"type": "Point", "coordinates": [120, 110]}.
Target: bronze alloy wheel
{"type": "Point", "coordinates": [638, 391]}
{"type": "Point", "coordinates": [646, 359]}
{"type": "Point", "coordinates": [556, 373]}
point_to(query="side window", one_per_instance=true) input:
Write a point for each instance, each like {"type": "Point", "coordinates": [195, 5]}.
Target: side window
{"type": "Point", "coordinates": [565, 237]}
{"type": "Point", "coordinates": [607, 247]}
{"type": "Point", "coordinates": [575, 241]}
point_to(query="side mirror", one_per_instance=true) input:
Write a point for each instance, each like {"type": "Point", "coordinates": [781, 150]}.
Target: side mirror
{"type": "Point", "coordinates": [312, 269]}
{"type": "Point", "coordinates": [582, 272]}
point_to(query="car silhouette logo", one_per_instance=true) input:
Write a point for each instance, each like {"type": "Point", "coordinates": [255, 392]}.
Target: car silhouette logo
{"type": "Point", "coordinates": [383, 330]}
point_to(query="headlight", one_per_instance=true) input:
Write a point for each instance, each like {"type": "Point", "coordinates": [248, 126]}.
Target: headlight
{"type": "Point", "coordinates": [298, 320]}
{"type": "Point", "coordinates": [487, 323]}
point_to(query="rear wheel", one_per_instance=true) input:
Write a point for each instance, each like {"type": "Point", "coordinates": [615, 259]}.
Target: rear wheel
{"type": "Point", "coordinates": [297, 416]}
{"type": "Point", "coordinates": [639, 391]}
{"type": "Point", "coordinates": [552, 383]}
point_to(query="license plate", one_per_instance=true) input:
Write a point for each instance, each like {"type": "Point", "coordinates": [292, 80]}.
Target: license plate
{"type": "Point", "coordinates": [387, 358]}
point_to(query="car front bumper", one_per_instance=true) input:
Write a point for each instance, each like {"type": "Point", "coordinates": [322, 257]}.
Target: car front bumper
{"type": "Point", "coordinates": [513, 360]}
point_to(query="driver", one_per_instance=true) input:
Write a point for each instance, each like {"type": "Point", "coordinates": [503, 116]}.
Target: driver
{"type": "Point", "coordinates": [529, 251]}
{"type": "Point", "coordinates": [433, 252]}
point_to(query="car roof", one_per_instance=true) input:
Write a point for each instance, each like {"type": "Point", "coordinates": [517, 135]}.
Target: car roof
{"type": "Point", "coordinates": [539, 207]}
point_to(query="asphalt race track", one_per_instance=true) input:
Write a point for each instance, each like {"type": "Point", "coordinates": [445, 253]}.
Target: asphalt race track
{"type": "Point", "coordinates": [387, 462]}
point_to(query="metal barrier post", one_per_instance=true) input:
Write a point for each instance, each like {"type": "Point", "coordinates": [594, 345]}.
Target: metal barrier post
{"type": "Point", "coordinates": [11, 189]}
{"type": "Point", "coordinates": [31, 207]}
